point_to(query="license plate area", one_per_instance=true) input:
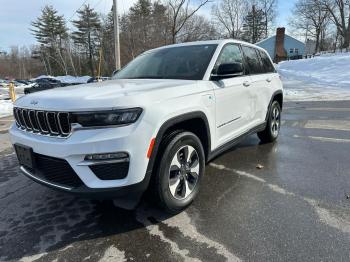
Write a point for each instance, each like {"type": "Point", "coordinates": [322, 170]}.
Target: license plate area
{"type": "Point", "coordinates": [25, 156]}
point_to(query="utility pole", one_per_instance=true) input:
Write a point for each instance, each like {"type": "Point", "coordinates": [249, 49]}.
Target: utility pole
{"type": "Point", "coordinates": [116, 36]}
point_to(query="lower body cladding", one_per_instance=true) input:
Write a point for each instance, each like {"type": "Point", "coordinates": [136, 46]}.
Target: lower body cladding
{"type": "Point", "coordinates": [96, 163]}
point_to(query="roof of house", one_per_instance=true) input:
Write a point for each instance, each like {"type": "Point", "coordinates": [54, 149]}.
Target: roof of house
{"type": "Point", "coordinates": [262, 41]}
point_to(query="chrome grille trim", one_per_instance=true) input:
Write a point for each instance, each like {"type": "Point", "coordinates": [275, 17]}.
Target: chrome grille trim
{"type": "Point", "coordinates": [54, 125]}
{"type": "Point", "coordinates": [26, 119]}
{"type": "Point", "coordinates": [15, 113]}
{"type": "Point", "coordinates": [32, 120]}
{"type": "Point", "coordinates": [60, 121]}
{"type": "Point", "coordinates": [42, 122]}
{"type": "Point", "coordinates": [20, 120]}
{"type": "Point", "coordinates": [49, 123]}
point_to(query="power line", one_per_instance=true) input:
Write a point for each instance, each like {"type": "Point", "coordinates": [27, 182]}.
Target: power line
{"type": "Point", "coordinates": [70, 19]}
{"type": "Point", "coordinates": [99, 2]}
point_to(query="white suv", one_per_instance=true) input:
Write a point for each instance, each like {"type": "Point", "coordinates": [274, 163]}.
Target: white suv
{"type": "Point", "coordinates": [154, 126]}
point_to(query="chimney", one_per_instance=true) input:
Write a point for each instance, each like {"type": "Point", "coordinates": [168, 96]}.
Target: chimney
{"type": "Point", "coordinates": [280, 51]}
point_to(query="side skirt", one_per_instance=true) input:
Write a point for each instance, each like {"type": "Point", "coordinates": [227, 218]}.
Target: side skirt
{"type": "Point", "coordinates": [215, 153]}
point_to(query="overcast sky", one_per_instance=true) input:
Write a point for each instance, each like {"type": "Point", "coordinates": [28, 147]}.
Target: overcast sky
{"type": "Point", "coordinates": [16, 15]}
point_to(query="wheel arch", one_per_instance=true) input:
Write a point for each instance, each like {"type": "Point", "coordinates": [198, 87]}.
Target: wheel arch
{"type": "Point", "coordinates": [276, 96]}
{"type": "Point", "coordinates": [195, 122]}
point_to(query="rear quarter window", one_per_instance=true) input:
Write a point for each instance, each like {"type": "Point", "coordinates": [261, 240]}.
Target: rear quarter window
{"type": "Point", "coordinates": [268, 66]}
{"type": "Point", "coordinates": [255, 65]}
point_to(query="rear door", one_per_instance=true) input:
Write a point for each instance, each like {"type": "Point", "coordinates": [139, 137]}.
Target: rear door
{"type": "Point", "coordinates": [233, 99]}
{"type": "Point", "coordinates": [272, 79]}
{"type": "Point", "coordinates": [259, 84]}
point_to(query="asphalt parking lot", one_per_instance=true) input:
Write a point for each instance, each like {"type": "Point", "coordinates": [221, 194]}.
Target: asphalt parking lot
{"type": "Point", "coordinates": [294, 207]}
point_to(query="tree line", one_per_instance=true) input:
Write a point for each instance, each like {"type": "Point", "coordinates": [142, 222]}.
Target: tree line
{"type": "Point", "coordinates": [87, 47]}
{"type": "Point", "coordinates": [326, 22]}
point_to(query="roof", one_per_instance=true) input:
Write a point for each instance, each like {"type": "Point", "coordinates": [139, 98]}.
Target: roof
{"type": "Point", "coordinates": [209, 42]}
{"type": "Point", "coordinates": [262, 41]}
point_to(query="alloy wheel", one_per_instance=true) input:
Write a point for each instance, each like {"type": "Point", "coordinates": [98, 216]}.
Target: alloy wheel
{"type": "Point", "coordinates": [184, 172]}
{"type": "Point", "coordinates": [275, 121]}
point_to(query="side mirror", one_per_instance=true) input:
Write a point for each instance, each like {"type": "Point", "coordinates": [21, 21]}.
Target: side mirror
{"type": "Point", "coordinates": [228, 70]}
{"type": "Point", "coordinates": [115, 72]}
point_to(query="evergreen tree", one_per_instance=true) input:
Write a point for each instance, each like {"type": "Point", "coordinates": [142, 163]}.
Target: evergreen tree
{"type": "Point", "coordinates": [50, 27]}
{"type": "Point", "coordinates": [50, 31]}
{"type": "Point", "coordinates": [107, 44]}
{"type": "Point", "coordinates": [254, 25]}
{"type": "Point", "coordinates": [141, 22]}
{"type": "Point", "coordinates": [87, 34]}
{"type": "Point", "coordinates": [144, 27]}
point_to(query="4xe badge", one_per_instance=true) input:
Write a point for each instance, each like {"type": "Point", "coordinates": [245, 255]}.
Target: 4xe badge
{"type": "Point", "coordinates": [33, 102]}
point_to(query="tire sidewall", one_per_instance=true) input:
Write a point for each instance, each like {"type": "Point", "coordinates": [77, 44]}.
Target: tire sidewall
{"type": "Point", "coordinates": [180, 140]}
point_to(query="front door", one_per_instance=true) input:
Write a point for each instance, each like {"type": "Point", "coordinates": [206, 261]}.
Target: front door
{"type": "Point", "coordinates": [233, 98]}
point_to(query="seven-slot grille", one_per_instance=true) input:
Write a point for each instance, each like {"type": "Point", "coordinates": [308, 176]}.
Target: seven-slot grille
{"type": "Point", "coordinates": [43, 122]}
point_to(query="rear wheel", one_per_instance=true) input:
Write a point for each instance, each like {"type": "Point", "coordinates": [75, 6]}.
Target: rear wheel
{"type": "Point", "coordinates": [180, 170]}
{"type": "Point", "coordinates": [273, 125]}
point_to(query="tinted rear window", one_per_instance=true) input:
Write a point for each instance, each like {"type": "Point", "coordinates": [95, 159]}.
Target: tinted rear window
{"type": "Point", "coordinates": [253, 61]}
{"type": "Point", "coordinates": [268, 66]}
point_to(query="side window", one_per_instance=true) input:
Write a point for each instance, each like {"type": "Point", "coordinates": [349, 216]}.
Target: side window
{"type": "Point", "coordinates": [230, 54]}
{"type": "Point", "coordinates": [252, 60]}
{"type": "Point", "coordinates": [268, 66]}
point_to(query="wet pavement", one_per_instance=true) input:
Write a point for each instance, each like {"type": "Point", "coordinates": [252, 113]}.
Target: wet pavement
{"type": "Point", "coordinates": [294, 207]}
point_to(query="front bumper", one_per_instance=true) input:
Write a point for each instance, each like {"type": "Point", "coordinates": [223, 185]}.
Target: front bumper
{"type": "Point", "coordinates": [133, 139]}
{"type": "Point", "coordinates": [131, 192]}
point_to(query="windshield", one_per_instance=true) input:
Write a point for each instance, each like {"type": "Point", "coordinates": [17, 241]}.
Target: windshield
{"type": "Point", "coordinates": [184, 62]}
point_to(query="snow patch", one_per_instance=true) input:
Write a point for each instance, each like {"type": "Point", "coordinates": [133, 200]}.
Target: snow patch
{"type": "Point", "coordinates": [326, 71]}
{"type": "Point", "coordinates": [67, 79]}
{"type": "Point", "coordinates": [6, 108]}
{"type": "Point", "coordinates": [323, 78]}
{"type": "Point", "coordinates": [113, 254]}
{"type": "Point", "coordinates": [332, 220]}
{"type": "Point", "coordinates": [142, 216]}
{"type": "Point", "coordinates": [183, 223]}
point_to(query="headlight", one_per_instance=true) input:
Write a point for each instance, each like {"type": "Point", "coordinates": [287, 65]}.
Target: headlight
{"type": "Point", "coordinates": [107, 118]}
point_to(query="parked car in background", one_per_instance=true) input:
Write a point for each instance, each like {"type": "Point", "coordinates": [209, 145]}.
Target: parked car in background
{"type": "Point", "coordinates": [98, 79]}
{"type": "Point", "coordinates": [115, 72]}
{"type": "Point", "coordinates": [24, 82]}
{"type": "Point", "coordinates": [43, 84]}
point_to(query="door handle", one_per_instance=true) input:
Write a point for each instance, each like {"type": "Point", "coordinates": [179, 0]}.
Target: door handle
{"type": "Point", "coordinates": [268, 80]}
{"type": "Point", "coordinates": [246, 83]}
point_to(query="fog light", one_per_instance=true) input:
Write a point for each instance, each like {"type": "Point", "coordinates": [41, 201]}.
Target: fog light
{"type": "Point", "coordinates": [107, 156]}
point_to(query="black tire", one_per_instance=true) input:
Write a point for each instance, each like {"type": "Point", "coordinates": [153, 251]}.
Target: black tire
{"type": "Point", "coordinates": [273, 125]}
{"type": "Point", "coordinates": [175, 146]}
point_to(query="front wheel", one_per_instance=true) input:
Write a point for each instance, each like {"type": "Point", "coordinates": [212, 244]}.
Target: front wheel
{"type": "Point", "coordinates": [180, 170]}
{"type": "Point", "coordinates": [273, 124]}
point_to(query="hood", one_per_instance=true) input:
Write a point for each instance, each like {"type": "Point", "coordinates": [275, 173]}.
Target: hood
{"type": "Point", "coordinates": [108, 94]}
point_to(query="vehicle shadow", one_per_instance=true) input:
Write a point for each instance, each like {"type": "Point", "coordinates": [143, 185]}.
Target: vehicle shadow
{"type": "Point", "coordinates": [49, 222]}
{"type": "Point", "coordinates": [38, 222]}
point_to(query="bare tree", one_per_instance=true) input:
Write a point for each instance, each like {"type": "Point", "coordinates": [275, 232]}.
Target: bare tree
{"type": "Point", "coordinates": [269, 8]}
{"type": "Point", "coordinates": [198, 28]}
{"type": "Point", "coordinates": [309, 15]}
{"type": "Point", "coordinates": [340, 14]}
{"type": "Point", "coordinates": [254, 25]}
{"type": "Point", "coordinates": [180, 11]}
{"type": "Point", "coordinates": [230, 15]}
{"type": "Point", "coordinates": [19, 63]}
